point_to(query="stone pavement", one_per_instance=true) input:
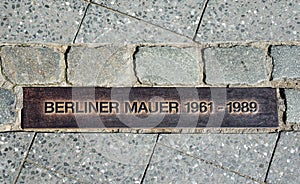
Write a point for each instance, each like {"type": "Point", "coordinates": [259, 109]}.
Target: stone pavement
{"type": "Point", "coordinates": [204, 43]}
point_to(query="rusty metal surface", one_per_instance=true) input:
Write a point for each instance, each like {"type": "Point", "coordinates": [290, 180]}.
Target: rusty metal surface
{"type": "Point", "coordinates": [182, 107]}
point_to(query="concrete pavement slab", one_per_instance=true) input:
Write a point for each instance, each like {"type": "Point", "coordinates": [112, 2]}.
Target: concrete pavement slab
{"type": "Point", "coordinates": [31, 173]}
{"type": "Point", "coordinates": [179, 16]}
{"type": "Point", "coordinates": [285, 165]}
{"type": "Point", "coordinates": [7, 106]}
{"type": "Point", "coordinates": [13, 147]}
{"type": "Point", "coordinates": [120, 158]}
{"type": "Point", "coordinates": [44, 21]}
{"type": "Point", "coordinates": [102, 25]}
{"type": "Point", "coordinates": [249, 20]}
{"type": "Point", "coordinates": [169, 166]}
{"type": "Point", "coordinates": [248, 154]}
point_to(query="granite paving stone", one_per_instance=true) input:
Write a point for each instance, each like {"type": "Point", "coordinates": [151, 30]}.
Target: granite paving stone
{"type": "Point", "coordinates": [7, 107]}
{"type": "Point", "coordinates": [286, 161]}
{"type": "Point", "coordinates": [44, 21]}
{"type": "Point", "coordinates": [179, 16]}
{"type": "Point", "coordinates": [234, 65]}
{"type": "Point", "coordinates": [32, 65]}
{"type": "Point", "coordinates": [101, 25]}
{"type": "Point", "coordinates": [106, 65]}
{"type": "Point", "coordinates": [13, 146]}
{"type": "Point", "coordinates": [249, 20]}
{"type": "Point", "coordinates": [248, 154]}
{"type": "Point", "coordinates": [169, 166]}
{"type": "Point", "coordinates": [34, 174]}
{"type": "Point", "coordinates": [167, 65]}
{"type": "Point", "coordinates": [119, 158]}
{"type": "Point", "coordinates": [286, 60]}
{"type": "Point", "coordinates": [293, 107]}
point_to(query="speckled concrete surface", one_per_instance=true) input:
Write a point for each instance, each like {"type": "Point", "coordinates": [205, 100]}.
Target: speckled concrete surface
{"type": "Point", "coordinates": [179, 16]}
{"type": "Point", "coordinates": [286, 161]}
{"type": "Point", "coordinates": [103, 26]}
{"type": "Point", "coordinates": [250, 21]}
{"type": "Point", "coordinates": [248, 154]}
{"type": "Point", "coordinates": [13, 149]}
{"type": "Point", "coordinates": [94, 157]}
{"type": "Point", "coordinates": [7, 106]}
{"type": "Point", "coordinates": [40, 21]}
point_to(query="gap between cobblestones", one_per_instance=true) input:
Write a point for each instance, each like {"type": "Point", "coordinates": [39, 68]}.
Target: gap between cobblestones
{"type": "Point", "coordinates": [270, 63]}
{"type": "Point", "coordinates": [67, 65]}
{"type": "Point", "coordinates": [134, 65]}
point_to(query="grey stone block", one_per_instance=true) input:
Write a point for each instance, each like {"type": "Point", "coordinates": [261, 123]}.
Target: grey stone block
{"type": "Point", "coordinates": [286, 61]}
{"type": "Point", "coordinates": [13, 147]}
{"type": "Point", "coordinates": [167, 65]}
{"type": "Point", "coordinates": [106, 66]}
{"type": "Point", "coordinates": [286, 160]}
{"type": "Point", "coordinates": [235, 65]}
{"type": "Point", "coordinates": [169, 166]}
{"type": "Point", "coordinates": [250, 21]}
{"type": "Point", "coordinates": [179, 16]}
{"type": "Point", "coordinates": [101, 25]}
{"type": "Point", "coordinates": [293, 105]}
{"type": "Point", "coordinates": [96, 158]}
{"type": "Point", "coordinates": [31, 173]}
{"type": "Point", "coordinates": [32, 65]}
{"type": "Point", "coordinates": [7, 107]}
{"type": "Point", "coordinates": [44, 21]}
{"type": "Point", "coordinates": [248, 154]}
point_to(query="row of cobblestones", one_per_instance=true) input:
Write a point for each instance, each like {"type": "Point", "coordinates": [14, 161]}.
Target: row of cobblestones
{"type": "Point", "coordinates": [255, 65]}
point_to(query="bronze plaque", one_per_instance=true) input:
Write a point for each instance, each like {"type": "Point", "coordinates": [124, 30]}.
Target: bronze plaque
{"type": "Point", "coordinates": [148, 107]}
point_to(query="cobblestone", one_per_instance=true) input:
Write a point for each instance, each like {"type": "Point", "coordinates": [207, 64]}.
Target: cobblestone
{"type": "Point", "coordinates": [286, 61]}
{"type": "Point", "coordinates": [32, 65]}
{"type": "Point", "coordinates": [293, 107]}
{"type": "Point", "coordinates": [167, 65]}
{"type": "Point", "coordinates": [102, 66]}
{"type": "Point", "coordinates": [235, 65]}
